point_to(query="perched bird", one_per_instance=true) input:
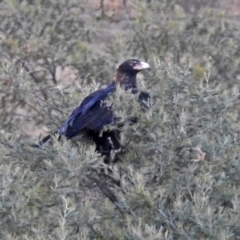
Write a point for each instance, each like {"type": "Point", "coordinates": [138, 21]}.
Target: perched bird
{"type": "Point", "coordinates": [93, 113]}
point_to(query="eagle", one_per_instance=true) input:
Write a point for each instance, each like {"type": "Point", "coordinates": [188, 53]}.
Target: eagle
{"type": "Point", "coordinates": [93, 113]}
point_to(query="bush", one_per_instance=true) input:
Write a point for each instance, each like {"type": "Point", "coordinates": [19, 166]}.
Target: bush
{"type": "Point", "coordinates": [179, 175]}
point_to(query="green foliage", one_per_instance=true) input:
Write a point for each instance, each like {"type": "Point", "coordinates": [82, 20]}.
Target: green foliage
{"type": "Point", "coordinates": [179, 174]}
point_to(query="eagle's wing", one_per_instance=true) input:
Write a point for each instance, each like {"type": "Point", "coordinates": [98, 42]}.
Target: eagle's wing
{"type": "Point", "coordinates": [92, 114]}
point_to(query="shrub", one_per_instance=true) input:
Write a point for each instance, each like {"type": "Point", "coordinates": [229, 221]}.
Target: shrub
{"type": "Point", "coordinates": [179, 174]}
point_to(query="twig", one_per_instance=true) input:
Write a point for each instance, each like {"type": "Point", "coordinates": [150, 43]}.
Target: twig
{"type": "Point", "coordinates": [47, 103]}
{"type": "Point", "coordinates": [107, 192]}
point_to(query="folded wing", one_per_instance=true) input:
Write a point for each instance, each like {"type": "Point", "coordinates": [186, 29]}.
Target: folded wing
{"type": "Point", "coordinates": [92, 114]}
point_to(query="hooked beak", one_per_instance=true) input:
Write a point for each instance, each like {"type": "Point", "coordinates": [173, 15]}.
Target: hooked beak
{"type": "Point", "coordinates": [142, 66]}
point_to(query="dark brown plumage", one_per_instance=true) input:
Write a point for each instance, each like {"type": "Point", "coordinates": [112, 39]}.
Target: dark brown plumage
{"type": "Point", "coordinates": [93, 114]}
